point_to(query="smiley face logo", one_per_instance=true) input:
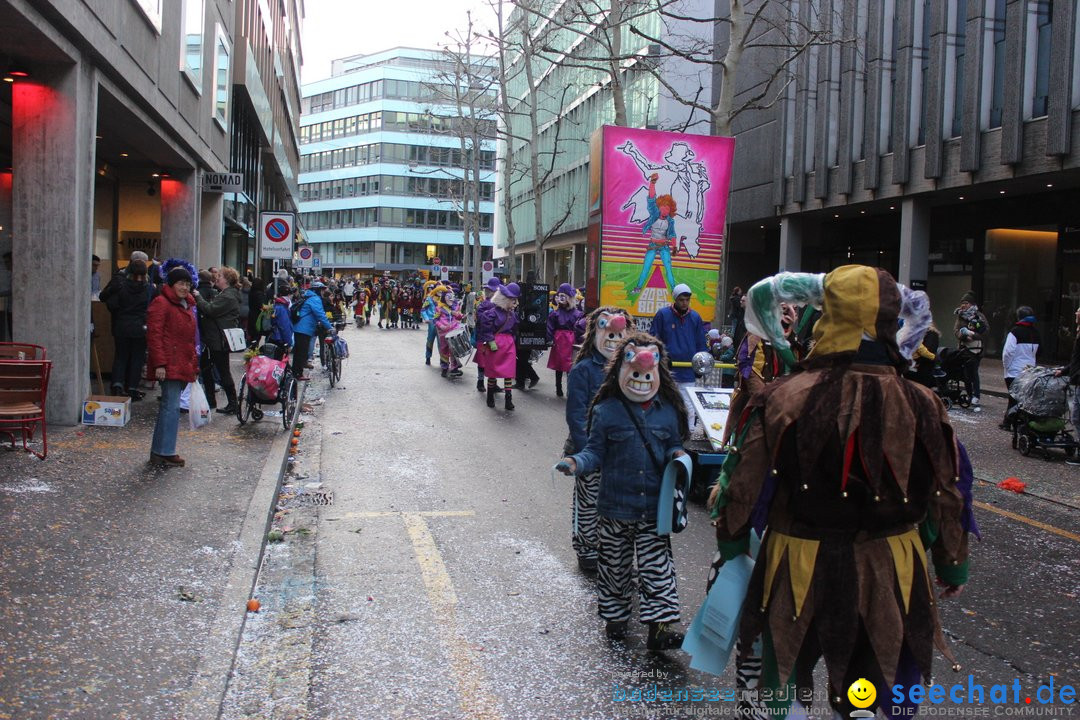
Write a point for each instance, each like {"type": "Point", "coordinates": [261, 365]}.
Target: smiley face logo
{"type": "Point", "coordinates": [862, 693]}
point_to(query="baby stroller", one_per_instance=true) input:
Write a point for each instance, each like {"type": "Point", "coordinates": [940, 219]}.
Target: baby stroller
{"type": "Point", "coordinates": [267, 381]}
{"type": "Point", "coordinates": [950, 375]}
{"type": "Point", "coordinates": [1038, 418]}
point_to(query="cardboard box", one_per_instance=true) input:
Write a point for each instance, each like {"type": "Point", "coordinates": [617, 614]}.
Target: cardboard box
{"type": "Point", "coordinates": [112, 411]}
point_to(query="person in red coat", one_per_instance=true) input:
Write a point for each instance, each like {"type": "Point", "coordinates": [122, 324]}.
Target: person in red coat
{"type": "Point", "coordinates": [170, 326]}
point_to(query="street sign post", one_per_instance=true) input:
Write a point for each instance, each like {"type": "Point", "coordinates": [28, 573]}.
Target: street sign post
{"type": "Point", "coordinates": [487, 271]}
{"type": "Point", "coordinates": [276, 231]}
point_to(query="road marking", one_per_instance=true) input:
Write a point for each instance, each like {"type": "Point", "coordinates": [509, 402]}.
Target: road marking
{"type": "Point", "coordinates": [395, 513]}
{"type": "Point", "coordinates": [475, 700]}
{"type": "Point", "coordinates": [1034, 523]}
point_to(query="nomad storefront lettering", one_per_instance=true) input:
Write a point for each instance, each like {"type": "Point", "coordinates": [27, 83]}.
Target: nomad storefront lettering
{"type": "Point", "coordinates": [222, 182]}
{"type": "Point", "coordinates": [148, 242]}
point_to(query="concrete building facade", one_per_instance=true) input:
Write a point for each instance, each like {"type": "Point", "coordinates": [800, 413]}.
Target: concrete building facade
{"type": "Point", "coordinates": [935, 139]}
{"type": "Point", "coordinates": [382, 165]}
{"type": "Point", "coordinates": [110, 112]}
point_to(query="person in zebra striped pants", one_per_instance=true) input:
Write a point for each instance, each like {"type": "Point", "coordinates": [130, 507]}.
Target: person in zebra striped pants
{"type": "Point", "coordinates": [637, 422]}
{"type": "Point", "coordinates": [604, 330]}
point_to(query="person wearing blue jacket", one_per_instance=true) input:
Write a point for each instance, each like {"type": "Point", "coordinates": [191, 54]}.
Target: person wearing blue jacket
{"type": "Point", "coordinates": [312, 317]}
{"type": "Point", "coordinates": [604, 330]}
{"type": "Point", "coordinates": [682, 330]}
{"type": "Point", "coordinates": [636, 424]}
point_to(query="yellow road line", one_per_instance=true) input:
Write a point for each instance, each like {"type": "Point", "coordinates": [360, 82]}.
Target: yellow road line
{"type": "Point", "coordinates": [1034, 523]}
{"type": "Point", "coordinates": [475, 700]}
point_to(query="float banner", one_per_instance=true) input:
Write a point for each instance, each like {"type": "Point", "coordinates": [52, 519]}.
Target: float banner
{"type": "Point", "coordinates": [663, 204]}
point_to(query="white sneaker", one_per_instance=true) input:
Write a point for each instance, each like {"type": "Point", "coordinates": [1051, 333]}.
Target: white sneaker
{"type": "Point", "coordinates": [975, 405]}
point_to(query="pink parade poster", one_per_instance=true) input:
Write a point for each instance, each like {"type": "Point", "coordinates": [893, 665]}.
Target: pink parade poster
{"type": "Point", "coordinates": [663, 205]}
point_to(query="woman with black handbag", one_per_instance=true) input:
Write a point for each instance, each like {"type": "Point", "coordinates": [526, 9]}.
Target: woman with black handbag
{"type": "Point", "coordinates": [216, 316]}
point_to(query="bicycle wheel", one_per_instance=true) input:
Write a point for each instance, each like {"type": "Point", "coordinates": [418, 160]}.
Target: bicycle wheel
{"type": "Point", "coordinates": [331, 359]}
{"type": "Point", "coordinates": [243, 402]}
{"type": "Point", "coordinates": [288, 401]}
{"type": "Point", "coordinates": [335, 369]}
{"type": "Point", "coordinates": [322, 352]}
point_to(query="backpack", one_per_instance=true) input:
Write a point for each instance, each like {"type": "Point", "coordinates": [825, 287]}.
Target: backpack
{"type": "Point", "coordinates": [265, 320]}
{"type": "Point", "coordinates": [294, 311]}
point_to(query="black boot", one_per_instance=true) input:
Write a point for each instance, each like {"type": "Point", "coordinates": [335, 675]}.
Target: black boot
{"type": "Point", "coordinates": [616, 630]}
{"type": "Point", "coordinates": [480, 383]}
{"type": "Point", "coordinates": [229, 409]}
{"type": "Point", "coordinates": [558, 388]}
{"type": "Point", "coordinates": [661, 637]}
{"type": "Point", "coordinates": [444, 372]}
{"type": "Point", "coordinates": [509, 400]}
{"type": "Point", "coordinates": [491, 396]}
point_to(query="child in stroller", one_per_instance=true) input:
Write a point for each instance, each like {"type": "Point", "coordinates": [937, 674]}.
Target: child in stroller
{"type": "Point", "coordinates": [951, 375]}
{"type": "Point", "coordinates": [1038, 418]}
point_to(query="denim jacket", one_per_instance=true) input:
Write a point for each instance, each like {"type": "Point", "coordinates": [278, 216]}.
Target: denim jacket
{"type": "Point", "coordinates": [629, 481]}
{"type": "Point", "coordinates": [582, 383]}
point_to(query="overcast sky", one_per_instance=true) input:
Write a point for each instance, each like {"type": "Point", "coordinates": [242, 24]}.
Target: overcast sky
{"type": "Point", "coordinates": [338, 28]}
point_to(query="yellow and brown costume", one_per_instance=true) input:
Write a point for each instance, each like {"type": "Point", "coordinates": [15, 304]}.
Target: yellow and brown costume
{"type": "Point", "coordinates": [842, 464]}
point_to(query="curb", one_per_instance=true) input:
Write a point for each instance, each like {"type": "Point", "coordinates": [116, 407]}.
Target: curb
{"type": "Point", "coordinates": [206, 694]}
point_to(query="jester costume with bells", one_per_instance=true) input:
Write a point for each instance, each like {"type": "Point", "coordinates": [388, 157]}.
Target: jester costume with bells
{"type": "Point", "coordinates": [447, 318]}
{"type": "Point", "coordinates": [852, 473]}
{"type": "Point", "coordinates": [565, 326]}
{"type": "Point", "coordinates": [604, 331]}
{"type": "Point", "coordinates": [496, 326]}
{"type": "Point", "coordinates": [637, 423]}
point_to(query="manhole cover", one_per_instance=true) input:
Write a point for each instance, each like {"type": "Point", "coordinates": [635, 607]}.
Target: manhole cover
{"type": "Point", "coordinates": [315, 497]}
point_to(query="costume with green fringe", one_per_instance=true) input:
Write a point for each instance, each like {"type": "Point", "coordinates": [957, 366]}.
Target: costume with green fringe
{"type": "Point", "coordinates": [840, 464]}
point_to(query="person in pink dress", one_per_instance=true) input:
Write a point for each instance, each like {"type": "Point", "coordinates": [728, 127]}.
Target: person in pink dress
{"type": "Point", "coordinates": [565, 327]}
{"type": "Point", "coordinates": [495, 328]}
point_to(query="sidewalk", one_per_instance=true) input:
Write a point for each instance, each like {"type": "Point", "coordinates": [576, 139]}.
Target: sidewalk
{"type": "Point", "coordinates": [123, 587]}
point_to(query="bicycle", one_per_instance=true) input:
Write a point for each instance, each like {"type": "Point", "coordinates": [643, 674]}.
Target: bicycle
{"type": "Point", "coordinates": [332, 362]}
{"type": "Point", "coordinates": [247, 401]}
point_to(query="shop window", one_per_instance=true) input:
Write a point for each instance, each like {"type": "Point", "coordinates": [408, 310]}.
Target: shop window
{"type": "Point", "coordinates": [191, 59]}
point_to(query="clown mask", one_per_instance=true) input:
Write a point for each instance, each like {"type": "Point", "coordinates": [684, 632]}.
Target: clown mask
{"type": "Point", "coordinates": [449, 298]}
{"type": "Point", "coordinates": [639, 376]}
{"type": "Point", "coordinates": [562, 300]}
{"type": "Point", "coordinates": [609, 333]}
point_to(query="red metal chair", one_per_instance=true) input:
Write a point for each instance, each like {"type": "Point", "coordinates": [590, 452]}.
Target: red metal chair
{"type": "Point", "coordinates": [21, 351]}
{"type": "Point", "coordinates": [24, 385]}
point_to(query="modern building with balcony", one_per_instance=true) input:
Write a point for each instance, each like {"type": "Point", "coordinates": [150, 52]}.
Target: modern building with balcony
{"type": "Point", "coordinates": [382, 165]}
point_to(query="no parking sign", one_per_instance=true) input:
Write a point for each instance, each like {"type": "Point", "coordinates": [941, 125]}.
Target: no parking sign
{"type": "Point", "coordinates": [276, 235]}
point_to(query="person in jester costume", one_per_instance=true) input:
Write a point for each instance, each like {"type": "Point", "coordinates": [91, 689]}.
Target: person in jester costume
{"type": "Point", "coordinates": [604, 330]}
{"type": "Point", "coordinates": [565, 327]}
{"type": "Point", "coordinates": [853, 477]}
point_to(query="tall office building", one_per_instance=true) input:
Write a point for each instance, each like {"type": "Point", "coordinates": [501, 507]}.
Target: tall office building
{"type": "Point", "coordinates": [382, 164]}
{"type": "Point", "coordinates": [938, 141]}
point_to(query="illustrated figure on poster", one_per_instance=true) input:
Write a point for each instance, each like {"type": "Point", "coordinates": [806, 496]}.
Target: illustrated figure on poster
{"type": "Point", "coordinates": [660, 229]}
{"type": "Point", "coordinates": [679, 177]}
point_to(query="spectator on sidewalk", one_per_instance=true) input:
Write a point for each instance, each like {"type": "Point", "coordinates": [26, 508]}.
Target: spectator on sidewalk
{"type": "Point", "coordinates": [1021, 348]}
{"type": "Point", "coordinates": [281, 327]}
{"type": "Point", "coordinates": [128, 296]}
{"type": "Point", "coordinates": [171, 332]}
{"type": "Point", "coordinates": [310, 318]}
{"type": "Point", "coordinates": [214, 316]}
{"type": "Point", "coordinates": [1073, 371]}
{"type": "Point", "coordinates": [970, 328]}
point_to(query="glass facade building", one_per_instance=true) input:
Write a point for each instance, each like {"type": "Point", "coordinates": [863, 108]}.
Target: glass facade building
{"type": "Point", "coordinates": [382, 166]}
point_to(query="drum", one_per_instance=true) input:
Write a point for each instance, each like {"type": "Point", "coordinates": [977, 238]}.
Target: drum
{"type": "Point", "coordinates": [458, 340]}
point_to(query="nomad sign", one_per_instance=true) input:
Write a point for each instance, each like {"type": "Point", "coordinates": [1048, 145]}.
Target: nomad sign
{"type": "Point", "coordinates": [222, 182]}
{"type": "Point", "coordinates": [276, 236]}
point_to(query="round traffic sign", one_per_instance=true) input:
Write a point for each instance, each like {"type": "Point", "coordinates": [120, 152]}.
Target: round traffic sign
{"type": "Point", "coordinates": [488, 266]}
{"type": "Point", "coordinates": [436, 261]}
{"type": "Point", "coordinates": [306, 253]}
{"type": "Point", "coordinates": [277, 230]}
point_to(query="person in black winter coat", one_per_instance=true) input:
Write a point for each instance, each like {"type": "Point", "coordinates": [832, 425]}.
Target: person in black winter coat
{"type": "Point", "coordinates": [127, 296]}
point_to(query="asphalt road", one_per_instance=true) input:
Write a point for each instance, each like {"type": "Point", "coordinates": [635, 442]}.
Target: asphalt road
{"type": "Point", "coordinates": [441, 582]}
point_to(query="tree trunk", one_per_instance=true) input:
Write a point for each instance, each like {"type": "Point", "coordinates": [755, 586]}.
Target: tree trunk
{"type": "Point", "coordinates": [730, 67]}
{"type": "Point", "coordinates": [534, 156]}
{"type": "Point", "coordinates": [618, 95]}
{"type": "Point", "coordinates": [508, 149]}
